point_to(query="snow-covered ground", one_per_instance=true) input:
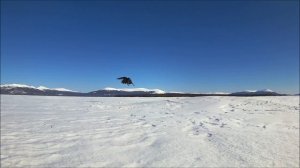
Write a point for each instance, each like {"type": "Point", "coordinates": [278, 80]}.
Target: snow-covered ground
{"type": "Point", "coordinates": [155, 132]}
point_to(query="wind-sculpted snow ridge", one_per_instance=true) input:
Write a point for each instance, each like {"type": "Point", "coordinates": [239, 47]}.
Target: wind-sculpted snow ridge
{"type": "Point", "coordinates": [216, 131]}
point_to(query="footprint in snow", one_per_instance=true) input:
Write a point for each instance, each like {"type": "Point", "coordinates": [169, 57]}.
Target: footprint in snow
{"type": "Point", "coordinates": [197, 158]}
{"type": "Point", "coordinates": [222, 125]}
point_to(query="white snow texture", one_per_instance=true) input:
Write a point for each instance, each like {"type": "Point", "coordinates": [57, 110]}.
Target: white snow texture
{"type": "Point", "coordinates": [50, 131]}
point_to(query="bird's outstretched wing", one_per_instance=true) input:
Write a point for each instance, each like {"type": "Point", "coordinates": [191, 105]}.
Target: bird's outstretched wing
{"type": "Point", "coordinates": [122, 77]}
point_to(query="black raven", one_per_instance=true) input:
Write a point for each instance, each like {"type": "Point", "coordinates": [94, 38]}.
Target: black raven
{"type": "Point", "coordinates": [126, 80]}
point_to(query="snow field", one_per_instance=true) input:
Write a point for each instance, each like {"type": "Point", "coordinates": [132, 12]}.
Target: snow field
{"type": "Point", "coordinates": [53, 131]}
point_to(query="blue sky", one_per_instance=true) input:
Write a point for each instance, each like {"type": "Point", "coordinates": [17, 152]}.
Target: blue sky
{"type": "Point", "coordinates": [194, 46]}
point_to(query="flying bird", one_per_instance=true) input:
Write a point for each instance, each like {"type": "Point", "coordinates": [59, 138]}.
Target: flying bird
{"type": "Point", "coordinates": [126, 80]}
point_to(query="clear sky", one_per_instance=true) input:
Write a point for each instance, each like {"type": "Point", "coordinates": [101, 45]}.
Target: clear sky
{"type": "Point", "coordinates": [193, 46]}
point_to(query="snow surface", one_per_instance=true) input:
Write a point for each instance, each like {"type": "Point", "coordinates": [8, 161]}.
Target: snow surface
{"type": "Point", "coordinates": [39, 88]}
{"type": "Point", "coordinates": [157, 91]}
{"type": "Point", "coordinates": [50, 131]}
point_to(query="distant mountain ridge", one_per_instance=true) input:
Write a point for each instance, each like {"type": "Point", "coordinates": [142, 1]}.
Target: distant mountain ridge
{"type": "Point", "coordinates": [156, 91]}
{"type": "Point", "coordinates": [32, 87]}
{"type": "Point", "coordinates": [113, 92]}
{"type": "Point", "coordinates": [20, 89]}
{"type": "Point", "coordinates": [264, 92]}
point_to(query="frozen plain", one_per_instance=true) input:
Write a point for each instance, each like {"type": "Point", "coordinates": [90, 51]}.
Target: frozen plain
{"type": "Point", "coordinates": [149, 132]}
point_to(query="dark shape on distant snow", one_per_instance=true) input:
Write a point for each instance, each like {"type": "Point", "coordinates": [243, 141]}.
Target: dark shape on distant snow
{"type": "Point", "coordinates": [126, 80]}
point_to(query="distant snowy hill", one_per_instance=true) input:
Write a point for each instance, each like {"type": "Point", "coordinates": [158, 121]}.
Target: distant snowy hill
{"type": "Point", "coordinates": [125, 92]}
{"type": "Point", "coordinates": [20, 89]}
{"type": "Point", "coordinates": [264, 92]}
{"type": "Point", "coordinates": [11, 86]}
{"type": "Point", "coordinates": [156, 91]}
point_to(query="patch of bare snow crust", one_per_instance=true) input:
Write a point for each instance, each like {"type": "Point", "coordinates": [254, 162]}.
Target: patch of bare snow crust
{"type": "Point", "coordinates": [42, 131]}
